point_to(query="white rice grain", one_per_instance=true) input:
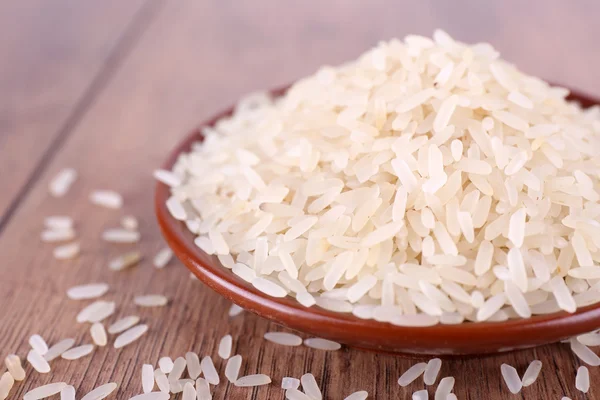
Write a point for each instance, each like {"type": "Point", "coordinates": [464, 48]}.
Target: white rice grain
{"type": "Point", "coordinates": [322, 344]}
{"type": "Point", "coordinates": [61, 183]}
{"type": "Point", "coordinates": [232, 369]}
{"type": "Point", "coordinates": [167, 177]}
{"type": "Point", "coordinates": [107, 199]}
{"type": "Point", "coordinates": [444, 388]}
{"type": "Point", "coordinates": [411, 374]}
{"type": "Point", "coordinates": [123, 324]}
{"type": "Point", "coordinates": [253, 380]}
{"type": "Point", "coordinates": [192, 361]}
{"type": "Point", "coordinates": [152, 396]}
{"type": "Point", "coordinates": [147, 378]}
{"type": "Point", "coordinates": [130, 335]}
{"type": "Point", "coordinates": [77, 352]}
{"type": "Point", "coordinates": [6, 383]}
{"type": "Point", "coordinates": [420, 395]}
{"type": "Point", "coordinates": [360, 395]}
{"type": "Point", "coordinates": [57, 235]}
{"type": "Point", "coordinates": [98, 334]}
{"type": "Point", "coordinates": [120, 235]}
{"type": "Point", "coordinates": [531, 373]}
{"type": "Point", "coordinates": [290, 383]}
{"type": "Point", "coordinates": [582, 380]}
{"type": "Point", "coordinates": [88, 291]}
{"type": "Point", "coordinates": [208, 369]}
{"type": "Point", "coordinates": [511, 378]}
{"type": "Point", "coordinates": [100, 392]}
{"type": "Point", "coordinates": [58, 349]}
{"type": "Point", "coordinates": [38, 362]}
{"type": "Point", "coordinates": [67, 393]}
{"type": "Point", "coordinates": [163, 257]}
{"type": "Point", "coordinates": [309, 384]}
{"type": "Point", "coordinates": [67, 251]}
{"type": "Point", "coordinates": [151, 300]}
{"type": "Point", "coordinates": [14, 367]}
{"type": "Point", "coordinates": [584, 353]}
{"type": "Point", "coordinates": [125, 261]}
{"type": "Point", "coordinates": [58, 222]}
{"type": "Point", "coordinates": [283, 338]}
{"type": "Point", "coordinates": [38, 344]}
{"type": "Point", "coordinates": [44, 391]}
{"type": "Point", "coordinates": [432, 370]}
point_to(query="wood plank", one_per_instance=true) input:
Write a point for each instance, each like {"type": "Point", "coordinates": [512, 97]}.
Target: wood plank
{"type": "Point", "coordinates": [55, 56]}
{"type": "Point", "coordinates": [196, 58]}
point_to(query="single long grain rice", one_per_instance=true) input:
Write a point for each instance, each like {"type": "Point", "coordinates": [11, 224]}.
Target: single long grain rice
{"type": "Point", "coordinates": [88, 291]}
{"type": "Point", "coordinates": [14, 366]}
{"type": "Point", "coordinates": [125, 261]}
{"type": "Point", "coordinates": [100, 392]}
{"type": "Point", "coordinates": [151, 300]}
{"type": "Point", "coordinates": [58, 222]}
{"type": "Point", "coordinates": [225, 347]}
{"type": "Point", "coordinates": [147, 378]}
{"type": "Point", "coordinates": [6, 383]}
{"type": "Point", "coordinates": [162, 258]}
{"type": "Point", "coordinates": [232, 369]}
{"type": "Point", "coordinates": [152, 396]}
{"type": "Point", "coordinates": [38, 344]}
{"type": "Point", "coordinates": [106, 198]}
{"type": "Point", "coordinates": [283, 338]}
{"type": "Point", "coordinates": [235, 310]}
{"type": "Point", "coordinates": [98, 334]}
{"type": "Point", "coordinates": [584, 353]}
{"type": "Point", "coordinates": [192, 361]}
{"type": "Point", "coordinates": [130, 335]}
{"type": "Point", "coordinates": [290, 383]}
{"type": "Point", "coordinates": [582, 380]}
{"type": "Point", "coordinates": [360, 395]}
{"type": "Point", "coordinates": [165, 364]}
{"type": "Point", "coordinates": [78, 352]}
{"type": "Point", "coordinates": [531, 373]}
{"type": "Point", "coordinates": [189, 392]}
{"type": "Point", "coordinates": [38, 362]}
{"type": "Point", "coordinates": [322, 344]}
{"type": "Point", "coordinates": [208, 369]}
{"type": "Point", "coordinates": [179, 366]}
{"type": "Point", "coordinates": [130, 223]}
{"type": "Point", "coordinates": [61, 183]}
{"type": "Point", "coordinates": [253, 380]}
{"type": "Point", "coordinates": [44, 391]}
{"type": "Point", "coordinates": [67, 393]}
{"type": "Point", "coordinates": [59, 348]}
{"type": "Point", "coordinates": [411, 374]}
{"type": "Point", "coordinates": [444, 388]}
{"type": "Point", "coordinates": [309, 384]}
{"type": "Point", "coordinates": [295, 394]}
{"type": "Point", "coordinates": [67, 251]}
{"type": "Point", "coordinates": [57, 235]}
{"type": "Point", "coordinates": [161, 381]}
{"type": "Point", "coordinates": [119, 235]}
{"type": "Point", "coordinates": [203, 389]}
{"type": "Point", "coordinates": [420, 395]}
{"type": "Point", "coordinates": [123, 324]}
{"type": "Point", "coordinates": [431, 371]}
{"type": "Point", "coordinates": [511, 378]}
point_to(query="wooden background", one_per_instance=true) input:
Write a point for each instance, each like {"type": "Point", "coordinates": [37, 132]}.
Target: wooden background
{"type": "Point", "coordinates": [109, 87]}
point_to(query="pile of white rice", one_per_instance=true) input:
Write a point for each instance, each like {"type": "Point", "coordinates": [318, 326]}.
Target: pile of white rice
{"type": "Point", "coordinates": [428, 181]}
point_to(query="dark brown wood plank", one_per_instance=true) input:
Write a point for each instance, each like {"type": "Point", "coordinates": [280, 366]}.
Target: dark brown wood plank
{"type": "Point", "coordinates": [196, 58]}
{"type": "Point", "coordinates": [55, 55]}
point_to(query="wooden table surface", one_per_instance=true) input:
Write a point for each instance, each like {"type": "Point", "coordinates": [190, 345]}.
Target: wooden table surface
{"type": "Point", "coordinates": [108, 87]}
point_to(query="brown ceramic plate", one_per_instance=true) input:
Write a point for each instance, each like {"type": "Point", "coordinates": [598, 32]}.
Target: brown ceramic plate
{"type": "Point", "coordinates": [463, 339]}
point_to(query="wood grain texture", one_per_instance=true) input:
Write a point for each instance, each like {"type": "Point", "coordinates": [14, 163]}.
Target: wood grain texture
{"type": "Point", "coordinates": [55, 56]}
{"type": "Point", "coordinates": [192, 59]}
